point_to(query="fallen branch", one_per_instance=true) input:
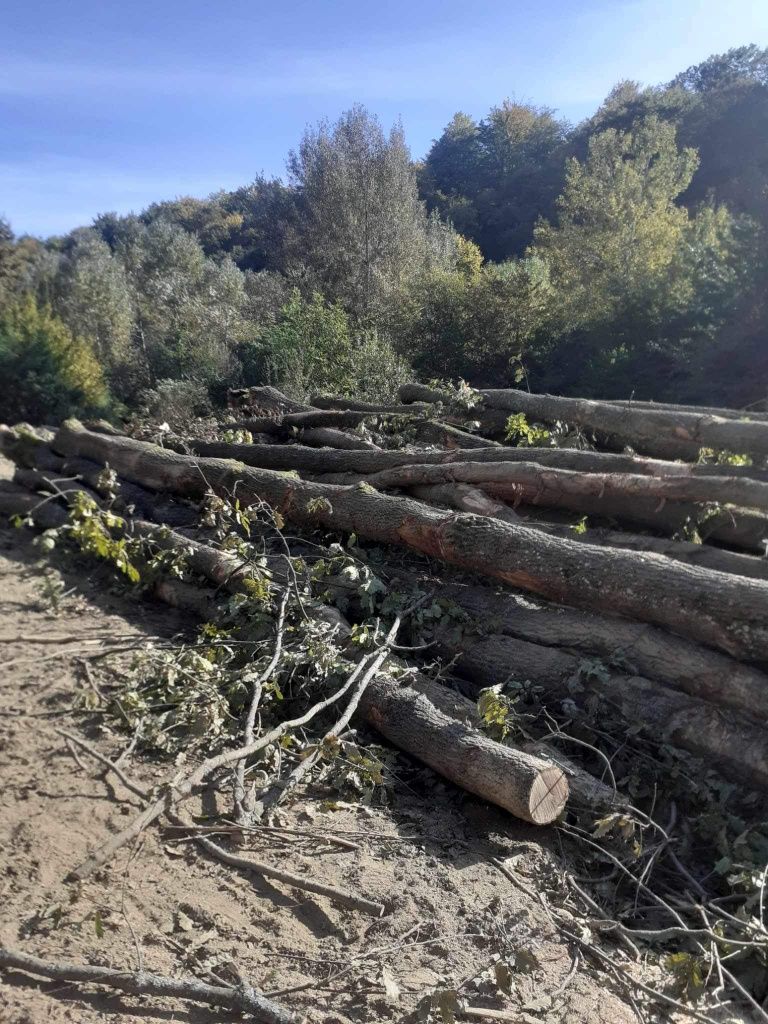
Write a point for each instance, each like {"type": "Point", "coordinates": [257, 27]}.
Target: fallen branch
{"type": "Point", "coordinates": [243, 998]}
{"type": "Point", "coordinates": [280, 790]}
{"type": "Point", "coordinates": [178, 819]}
{"type": "Point", "coordinates": [179, 788]}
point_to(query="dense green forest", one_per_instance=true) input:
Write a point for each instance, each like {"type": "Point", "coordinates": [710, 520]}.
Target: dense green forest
{"type": "Point", "coordinates": [626, 255]}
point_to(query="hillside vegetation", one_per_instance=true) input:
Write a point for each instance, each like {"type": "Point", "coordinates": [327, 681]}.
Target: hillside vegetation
{"type": "Point", "coordinates": [623, 256]}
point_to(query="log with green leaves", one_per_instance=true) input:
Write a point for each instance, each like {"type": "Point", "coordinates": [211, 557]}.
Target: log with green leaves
{"type": "Point", "coordinates": [645, 428]}
{"type": "Point", "coordinates": [728, 613]}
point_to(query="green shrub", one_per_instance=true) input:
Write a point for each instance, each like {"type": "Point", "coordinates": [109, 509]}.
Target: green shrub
{"type": "Point", "coordinates": [313, 348]}
{"type": "Point", "coordinates": [47, 372]}
{"type": "Point", "coordinates": [176, 402]}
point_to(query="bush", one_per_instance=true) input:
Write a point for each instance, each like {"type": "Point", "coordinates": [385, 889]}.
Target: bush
{"type": "Point", "coordinates": [474, 323]}
{"type": "Point", "coordinates": [176, 402]}
{"type": "Point", "coordinates": [47, 372]}
{"type": "Point", "coordinates": [313, 348]}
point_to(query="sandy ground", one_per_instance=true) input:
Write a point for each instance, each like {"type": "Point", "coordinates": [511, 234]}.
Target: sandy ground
{"type": "Point", "coordinates": [428, 857]}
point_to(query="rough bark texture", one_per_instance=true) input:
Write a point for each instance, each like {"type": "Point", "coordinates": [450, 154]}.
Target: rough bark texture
{"type": "Point", "coordinates": [706, 556]}
{"type": "Point", "coordinates": [729, 414]}
{"type": "Point", "coordinates": [528, 787]}
{"type": "Point", "coordinates": [16, 500]}
{"type": "Point", "coordinates": [329, 437]}
{"type": "Point", "coordinates": [643, 427]}
{"type": "Point", "coordinates": [649, 651]}
{"type": "Point", "coordinates": [726, 612]}
{"type": "Point", "coordinates": [465, 499]}
{"type": "Point", "coordinates": [354, 405]}
{"type": "Point", "coordinates": [264, 401]}
{"type": "Point", "coordinates": [435, 432]}
{"type": "Point", "coordinates": [735, 744]}
{"type": "Point", "coordinates": [303, 458]}
{"type": "Point", "coordinates": [542, 485]}
{"type": "Point", "coordinates": [301, 420]}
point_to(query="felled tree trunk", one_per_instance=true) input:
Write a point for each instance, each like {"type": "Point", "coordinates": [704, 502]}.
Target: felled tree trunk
{"type": "Point", "coordinates": [729, 414]}
{"type": "Point", "coordinates": [466, 498]}
{"type": "Point", "coordinates": [264, 401]}
{"type": "Point", "coordinates": [645, 428]}
{"type": "Point", "coordinates": [706, 556]}
{"type": "Point", "coordinates": [531, 788]}
{"type": "Point", "coordinates": [645, 650]}
{"type": "Point", "coordinates": [416, 718]}
{"type": "Point", "coordinates": [536, 484]}
{"type": "Point", "coordinates": [16, 500]}
{"type": "Point", "coordinates": [354, 405]}
{"type": "Point", "coordinates": [303, 458]}
{"type": "Point", "coordinates": [329, 437]}
{"type": "Point", "coordinates": [715, 609]}
{"type": "Point", "coordinates": [435, 432]}
{"type": "Point", "coordinates": [735, 744]}
{"type": "Point", "coordinates": [300, 420]}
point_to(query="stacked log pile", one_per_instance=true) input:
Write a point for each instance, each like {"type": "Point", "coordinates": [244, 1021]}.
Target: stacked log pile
{"type": "Point", "coordinates": [666, 580]}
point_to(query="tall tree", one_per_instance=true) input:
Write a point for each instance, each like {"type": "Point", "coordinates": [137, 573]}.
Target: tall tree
{"type": "Point", "coordinates": [494, 179]}
{"type": "Point", "coordinates": [188, 308]}
{"type": "Point", "coordinates": [631, 268]}
{"type": "Point", "coordinates": [363, 229]}
{"type": "Point", "coordinates": [92, 296]}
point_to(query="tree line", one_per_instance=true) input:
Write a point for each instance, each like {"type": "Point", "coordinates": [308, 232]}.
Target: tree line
{"type": "Point", "coordinates": [623, 256]}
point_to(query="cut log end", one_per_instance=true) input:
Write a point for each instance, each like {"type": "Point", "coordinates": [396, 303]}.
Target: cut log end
{"type": "Point", "coordinates": [548, 796]}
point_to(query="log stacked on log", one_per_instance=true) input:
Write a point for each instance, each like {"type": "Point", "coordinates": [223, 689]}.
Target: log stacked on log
{"type": "Point", "coordinates": [675, 431]}
{"type": "Point", "coordinates": [681, 624]}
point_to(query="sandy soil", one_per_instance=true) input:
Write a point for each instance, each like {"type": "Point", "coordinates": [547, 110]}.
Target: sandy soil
{"type": "Point", "coordinates": [429, 858]}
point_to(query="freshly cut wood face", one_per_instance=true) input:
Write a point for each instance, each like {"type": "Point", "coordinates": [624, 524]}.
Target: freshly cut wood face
{"type": "Point", "coordinates": [549, 794]}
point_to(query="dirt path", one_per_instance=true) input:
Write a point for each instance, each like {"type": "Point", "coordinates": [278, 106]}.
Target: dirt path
{"type": "Point", "coordinates": [428, 857]}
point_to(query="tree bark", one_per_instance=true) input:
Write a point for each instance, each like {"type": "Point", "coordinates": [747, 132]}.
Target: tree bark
{"type": "Point", "coordinates": [466, 498]}
{"type": "Point", "coordinates": [416, 718]}
{"type": "Point", "coordinates": [639, 427]}
{"type": "Point", "coordinates": [300, 420]}
{"type": "Point", "coordinates": [646, 650]}
{"type": "Point", "coordinates": [727, 612]}
{"type": "Point", "coordinates": [711, 410]}
{"type": "Point", "coordinates": [16, 500]}
{"type": "Point", "coordinates": [706, 556]}
{"type": "Point", "coordinates": [541, 485]}
{"type": "Point", "coordinates": [329, 437]}
{"type": "Point", "coordinates": [530, 788]}
{"type": "Point", "coordinates": [266, 401]}
{"type": "Point", "coordinates": [303, 458]}
{"type": "Point", "coordinates": [735, 744]}
{"type": "Point", "coordinates": [354, 405]}
{"type": "Point", "coordinates": [435, 432]}
{"type": "Point", "coordinates": [663, 431]}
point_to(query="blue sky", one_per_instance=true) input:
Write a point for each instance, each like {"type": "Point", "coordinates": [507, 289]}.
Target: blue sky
{"type": "Point", "coordinates": [108, 105]}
